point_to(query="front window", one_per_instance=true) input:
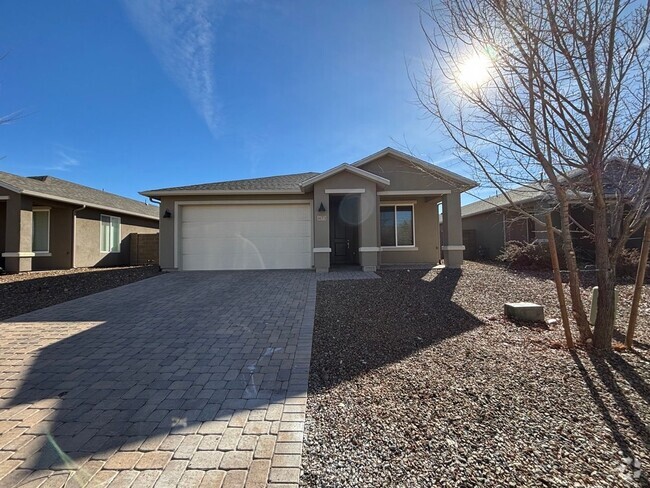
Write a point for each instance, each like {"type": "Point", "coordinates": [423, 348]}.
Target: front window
{"type": "Point", "coordinates": [41, 230]}
{"type": "Point", "coordinates": [397, 226]}
{"type": "Point", "coordinates": [109, 237]}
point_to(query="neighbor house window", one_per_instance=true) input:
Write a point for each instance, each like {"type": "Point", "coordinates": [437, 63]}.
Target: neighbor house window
{"type": "Point", "coordinates": [41, 230]}
{"type": "Point", "coordinates": [109, 237]}
{"type": "Point", "coordinates": [397, 225]}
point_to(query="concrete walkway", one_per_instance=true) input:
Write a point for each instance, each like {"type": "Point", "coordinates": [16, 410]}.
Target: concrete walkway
{"type": "Point", "coordinates": [192, 379]}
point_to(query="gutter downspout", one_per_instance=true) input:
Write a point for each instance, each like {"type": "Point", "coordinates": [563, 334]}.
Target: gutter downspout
{"type": "Point", "coordinates": [74, 234]}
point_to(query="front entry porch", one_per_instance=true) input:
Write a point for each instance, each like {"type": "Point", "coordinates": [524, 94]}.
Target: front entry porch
{"type": "Point", "coordinates": [344, 230]}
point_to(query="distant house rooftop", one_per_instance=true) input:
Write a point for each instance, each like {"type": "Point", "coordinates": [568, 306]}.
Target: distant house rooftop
{"type": "Point", "coordinates": [620, 179]}
{"type": "Point", "coordinates": [57, 189]}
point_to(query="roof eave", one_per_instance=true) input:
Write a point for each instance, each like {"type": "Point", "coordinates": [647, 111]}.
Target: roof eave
{"type": "Point", "coordinates": [86, 204]}
{"type": "Point", "coordinates": [56, 198]}
{"type": "Point", "coordinates": [175, 193]}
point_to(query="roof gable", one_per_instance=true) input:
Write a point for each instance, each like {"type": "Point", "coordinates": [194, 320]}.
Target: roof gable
{"type": "Point", "coordinates": [448, 176]}
{"type": "Point", "coordinates": [345, 167]}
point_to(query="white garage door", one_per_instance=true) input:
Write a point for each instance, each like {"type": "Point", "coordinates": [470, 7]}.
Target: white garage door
{"type": "Point", "coordinates": [264, 236]}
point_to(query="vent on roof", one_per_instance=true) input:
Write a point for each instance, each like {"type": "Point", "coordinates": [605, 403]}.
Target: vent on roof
{"type": "Point", "coordinates": [40, 178]}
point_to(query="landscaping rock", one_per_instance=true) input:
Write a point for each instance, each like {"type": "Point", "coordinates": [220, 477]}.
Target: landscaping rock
{"type": "Point", "coordinates": [25, 292]}
{"type": "Point", "coordinates": [416, 380]}
{"type": "Point", "coordinates": [524, 311]}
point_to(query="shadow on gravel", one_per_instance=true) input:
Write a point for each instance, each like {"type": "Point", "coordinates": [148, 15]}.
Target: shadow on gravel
{"type": "Point", "coordinates": [604, 366]}
{"type": "Point", "coordinates": [33, 293]}
{"type": "Point", "coordinates": [364, 325]}
{"type": "Point", "coordinates": [620, 337]}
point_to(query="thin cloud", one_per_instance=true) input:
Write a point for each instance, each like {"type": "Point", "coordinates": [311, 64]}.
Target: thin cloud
{"type": "Point", "coordinates": [65, 159]}
{"type": "Point", "coordinates": [181, 35]}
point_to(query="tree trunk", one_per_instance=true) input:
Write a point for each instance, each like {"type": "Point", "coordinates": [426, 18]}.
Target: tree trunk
{"type": "Point", "coordinates": [558, 281]}
{"type": "Point", "coordinates": [638, 286]}
{"type": "Point", "coordinates": [577, 307]}
{"type": "Point", "coordinates": [606, 274]}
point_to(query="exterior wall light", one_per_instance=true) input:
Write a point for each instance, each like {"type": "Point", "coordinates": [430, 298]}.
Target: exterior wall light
{"type": "Point", "coordinates": [321, 208]}
{"type": "Point", "coordinates": [167, 214]}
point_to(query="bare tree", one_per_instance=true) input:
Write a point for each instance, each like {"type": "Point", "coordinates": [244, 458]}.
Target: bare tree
{"type": "Point", "coordinates": [547, 94]}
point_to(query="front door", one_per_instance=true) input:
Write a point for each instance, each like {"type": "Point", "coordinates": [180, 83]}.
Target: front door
{"type": "Point", "coordinates": [344, 229]}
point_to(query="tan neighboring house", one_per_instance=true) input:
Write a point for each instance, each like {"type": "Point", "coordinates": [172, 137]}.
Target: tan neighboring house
{"type": "Point", "coordinates": [381, 210]}
{"type": "Point", "coordinates": [49, 223]}
{"type": "Point", "coordinates": [488, 224]}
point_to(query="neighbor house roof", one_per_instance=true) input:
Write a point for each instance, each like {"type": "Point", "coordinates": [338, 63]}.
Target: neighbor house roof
{"type": "Point", "coordinates": [53, 188]}
{"type": "Point", "coordinates": [298, 183]}
{"type": "Point", "coordinates": [518, 195]}
{"type": "Point", "coordinates": [619, 179]}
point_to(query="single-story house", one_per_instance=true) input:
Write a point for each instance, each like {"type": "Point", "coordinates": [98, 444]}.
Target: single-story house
{"type": "Point", "coordinates": [381, 210]}
{"type": "Point", "coordinates": [489, 223]}
{"type": "Point", "coordinates": [49, 223]}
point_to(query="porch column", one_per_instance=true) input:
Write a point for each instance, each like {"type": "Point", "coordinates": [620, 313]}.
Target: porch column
{"type": "Point", "coordinates": [452, 227]}
{"type": "Point", "coordinates": [18, 235]}
{"type": "Point", "coordinates": [368, 235]}
{"type": "Point", "coordinates": [321, 230]}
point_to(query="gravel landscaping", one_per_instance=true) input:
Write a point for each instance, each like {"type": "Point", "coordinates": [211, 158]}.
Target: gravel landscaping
{"type": "Point", "coordinates": [417, 380]}
{"type": "Point", "coordinates": [22, 293]}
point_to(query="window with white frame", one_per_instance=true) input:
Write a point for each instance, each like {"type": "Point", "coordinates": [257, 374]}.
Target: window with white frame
{"type": "Point", "coordinates": [109, 236]}
{"type": "Point", "coordinates": [397, 225]}
{"type": "Point", "coordinates": [41, 230]}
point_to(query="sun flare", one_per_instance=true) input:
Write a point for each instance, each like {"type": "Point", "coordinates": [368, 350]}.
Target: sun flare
{"type": "Point", "coordinates": [474, 71]}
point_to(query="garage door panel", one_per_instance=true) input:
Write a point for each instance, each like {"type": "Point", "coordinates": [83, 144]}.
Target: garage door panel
{"type": "Point", "coordinates": [239, 245]}
{"type": "Point", "coordinates": [264, 236]}
{"type": "Point", "coordinates": [246, 229]}
{"type": "Point", "coordinates": [245, 261]}
{"type": "Point", "coordinates": [246, 213]}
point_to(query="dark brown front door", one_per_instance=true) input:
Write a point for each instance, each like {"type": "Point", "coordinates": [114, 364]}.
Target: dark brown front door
{"type": "Point", "coordinates": [344, 229]}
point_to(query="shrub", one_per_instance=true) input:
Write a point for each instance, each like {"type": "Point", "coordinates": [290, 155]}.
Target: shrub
{"type": "Point", "coordinates": [628, 263]}
{"type": "Point", "coordinates": [536, 256]}
{"type": "Point", "coordinates": [524, 255]}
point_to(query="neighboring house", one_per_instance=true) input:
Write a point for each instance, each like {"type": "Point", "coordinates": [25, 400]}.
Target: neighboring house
{"type": "Point", "coordinates": [49, 223]}
{"type": "Point", "coordinates": [378, 211]}
{"type": "Point", "coordinates": [488, 224]}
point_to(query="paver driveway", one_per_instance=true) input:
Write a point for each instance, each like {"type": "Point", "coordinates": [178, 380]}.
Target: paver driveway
{"type": "Point", "coordinates": [187, 378]}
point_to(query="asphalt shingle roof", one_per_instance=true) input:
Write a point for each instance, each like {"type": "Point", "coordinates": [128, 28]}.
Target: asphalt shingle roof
{"type": "Point", "coordinates": [279, 183]}
{"type": "Point", "coordinates": [57, 189]}
{"type": "Point", "coordinates": [619, 178]}
{"type": "Point", "coordinates": [517, 195]}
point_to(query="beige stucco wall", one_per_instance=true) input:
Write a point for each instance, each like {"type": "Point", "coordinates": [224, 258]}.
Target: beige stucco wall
{"type": "Point", "coordinates": [18, 235]}
{"type": "Point", "coordinates": [427, 235]}
{"type": "Point", "coordinates": [87, 252]}
{"type": "Point", "coordinates": [16, 222]}
{"type": "Point", "coordinates": [60, 237]}
{"type": "Point", "coordinates": [405, 176]}
{"type": "Point", "coordinates": [489, 232]}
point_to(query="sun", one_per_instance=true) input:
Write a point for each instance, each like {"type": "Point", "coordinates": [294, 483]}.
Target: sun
{"type": "Point", "coordinates": [474, 71]}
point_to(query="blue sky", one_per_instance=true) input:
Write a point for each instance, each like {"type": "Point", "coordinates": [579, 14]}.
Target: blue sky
{"type": "Point", "coordinates": [141, 94]}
